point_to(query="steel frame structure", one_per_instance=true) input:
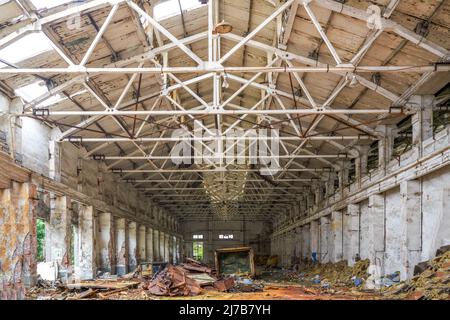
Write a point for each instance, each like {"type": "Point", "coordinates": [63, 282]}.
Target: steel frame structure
{"type": "Point", "coordinates": [213, 69]}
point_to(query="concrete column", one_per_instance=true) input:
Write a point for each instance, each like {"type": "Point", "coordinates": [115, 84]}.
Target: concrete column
{"type": "Point", "coordinates": [178, 252]}
{"type": "Point", "coordinates": [166, 248]}
{"type": "Point", "coordinates": [105, 242]}
{"type": "Point", "coordinates": [411, 229]}
{"type": "Point", "coordinates": [121, 237]}
{"type": "Point", "coordinates": [376, 229]}
{"type": "Point", "coordinates": [306, 244]}
{"type": "Point", "coordinates": [324, 239]}
{"type": "Point", "coordinates": [343, 174]}
{"type": "Point", "coordinates": [318, 195]}
{"type": "Point", "coordinates": [443, 231]}
{"type": "Point", "coordinates": [58, 235]}
{"type": "Point", "coordinates": [310, 200]}
{"type": "Point", "coordinates": [156, 251]}
{"type": "Point", "coordinates": [335, 245]}
{"type": "Point", "coordinates": [386, 145]}
{"type": "Point", "coordinates": [422, 122]}
{"type": "Point", "coordinates": [54, 163]}
{"type": "Point", "coordinates": [329, 185]}
{"type": "Point", "coordinates": [149, 245]}
{"type": "Point", "coordinates": [298, 243]}
{"type": "Point", "coordinates": [132, 246]}
{"type": "Point", "coordinates": [314, 238]}
{"type": "Point", "coordinates": [142, 244]}
{"type": "Point", "coordinates": [162, 241]}
{"type": "Point", "coordinates": [351, 233]}
{"type": "Point", "coordinates": [85, 267]}
{"type": "Point", "coordinates": [18, 240]}
{"type": "Point", "coordinates": [363, 160]}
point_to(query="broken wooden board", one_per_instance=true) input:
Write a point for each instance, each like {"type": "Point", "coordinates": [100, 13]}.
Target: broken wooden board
{"type": "Point", "coordinates": [99, 284]}
{"type": "Point", "coordinates": [203, 279]}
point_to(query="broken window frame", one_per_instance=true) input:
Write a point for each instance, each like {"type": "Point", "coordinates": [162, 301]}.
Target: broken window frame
{"type": "Point", "coordinates": [403, 138]}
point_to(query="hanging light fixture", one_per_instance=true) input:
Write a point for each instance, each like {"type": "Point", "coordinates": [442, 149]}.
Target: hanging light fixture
{"type": "Point", "coordinates": [225, 83]}
{"type": "Point", "coordinates": [225, 189]}
{"type": "Point", "coordinates": [353, 80]}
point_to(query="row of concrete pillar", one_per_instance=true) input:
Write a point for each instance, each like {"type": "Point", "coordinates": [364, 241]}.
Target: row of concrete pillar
{"type": "Point", "coordinates": [422, 129]}
{"type": "Point", "coordinates": [104, 243]}
{"type": "Point", "coordinates": [78, 239]}
{"type": "Point", "coordinates": [339, 235]}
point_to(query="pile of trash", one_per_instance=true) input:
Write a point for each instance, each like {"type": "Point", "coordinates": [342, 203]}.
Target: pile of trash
{"type": "Point", "coordinates": [330, 274]}
{"type": "Point", "coordinates": [190, 277]}
{"type": "Point", "coordinates": [431, 280]}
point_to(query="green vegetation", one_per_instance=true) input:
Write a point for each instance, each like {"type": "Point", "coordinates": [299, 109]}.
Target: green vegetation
{"type": "Point", "coordinates": [197, 249]}
{"type": "Point", "coordinates": [40, 233]}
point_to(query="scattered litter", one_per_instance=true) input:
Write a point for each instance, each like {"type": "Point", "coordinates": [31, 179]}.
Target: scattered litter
{"type": "Point", "coordinates": [433, 283]}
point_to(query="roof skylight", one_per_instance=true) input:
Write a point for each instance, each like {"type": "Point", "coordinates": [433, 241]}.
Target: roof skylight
{"type": "Point", "coordinates": [42, 4]}
{"type": "Point", "coordinates": [27, 47]}
{"type": "Point", "coordinates": [166, 9]}
{"type": "Point", "coordinates": [35, 90]}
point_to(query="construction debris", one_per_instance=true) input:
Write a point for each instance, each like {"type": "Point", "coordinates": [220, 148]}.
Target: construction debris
{"type": "Point", "coordinates": [319, 281]}
{"type": "Point", "coordinates": [325, 275]}
{"type": "Point", "coordinates": [197, 266]}
{"type": "Point", "coordinates": [224, 284]}
{"type": "Point", "coordinates": [102, 284]}
{"type": "Point", "coordinates": [173, 281]}
{"type": "Point", "coordinates": [433, 283]}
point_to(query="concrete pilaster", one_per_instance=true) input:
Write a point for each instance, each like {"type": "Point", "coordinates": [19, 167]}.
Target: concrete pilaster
{"type": "Point", "coordinates": [85, 267]}
{"type": "Point", "coordinates": [411, 231]}
{"type": "Point", "coordinates": [351, 233]}
{"type": "Point", "coordinates": [156, 251]}
{"type": "Point", "coordinates": [314, 238]}
{"type": "Point", "coordinates": [166, 248]}
{"type": "Point", "coordinates": [324, 239]}
{"type": "Point", "coordinates": [376, 228]}
{"type": "Point", "coordinates": [132, 246]}
{"type": "Point", "coordinates": [335, 245]}
{"type": "Point", "coordinates": [149, 245]}
{"type": "Point", "coordinates": [121, 237]}
{"type": "Point", "coordinates": [306, 244]}
{"type": "Point", "coordinates": [58, 235]}
{"type": "Point", "coordinates": [142, 244]}
{"type": "Point", "coordinates": [422, 123]}
{"type": "Point", "coordinates": [105, 242]}
{"type": "Point", "coordinates": [386, 144]}
{"type": "Point", "coordinates": [162, 251]}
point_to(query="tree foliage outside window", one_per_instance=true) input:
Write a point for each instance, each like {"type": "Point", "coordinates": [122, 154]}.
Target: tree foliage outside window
{"type": "Point", "coordinates": [40, 233]}
{"type": "Point", "coordinates": [197, 250]}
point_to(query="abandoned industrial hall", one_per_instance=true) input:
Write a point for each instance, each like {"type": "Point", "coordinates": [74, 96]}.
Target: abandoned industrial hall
{"type": "Point", "coordinates": [224, 150]}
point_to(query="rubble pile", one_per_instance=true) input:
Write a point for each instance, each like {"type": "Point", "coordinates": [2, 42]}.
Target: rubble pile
{"type": "Point", "coordinates": [431, 283]}
{"type": "Point", "coordinates": [173, 281]}
{"type": "Point", "coordinates": [329, 274]}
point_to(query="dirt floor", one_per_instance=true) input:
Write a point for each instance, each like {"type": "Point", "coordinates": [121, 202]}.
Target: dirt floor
{"type": "Point", "coordinates": [304, 282]}
{"type": "Point", "coordinates": [271, 292]}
